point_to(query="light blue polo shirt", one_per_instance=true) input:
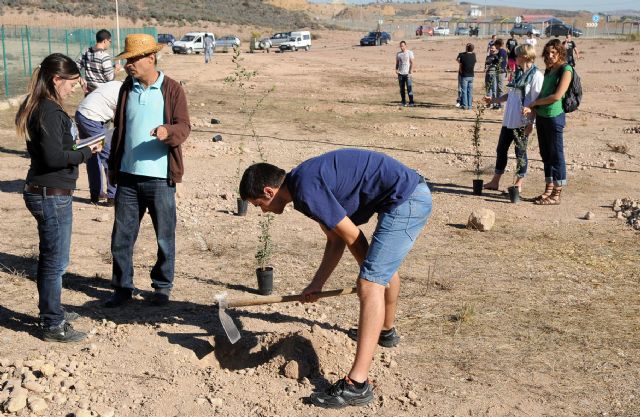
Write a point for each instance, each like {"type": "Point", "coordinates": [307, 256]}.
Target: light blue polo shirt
{"type": "Point", "coordinates": [145, 154]}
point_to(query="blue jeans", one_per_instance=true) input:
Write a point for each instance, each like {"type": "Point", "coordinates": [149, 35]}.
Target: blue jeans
{"type": "Point", "coordinates": [96, 165]}
{"type": "Point", "coordinates": [491, 84]}
{"type": "Point", "coordinates": [405, 80]}
{"type": "Point", "coordinates": [135, 195]}
{"type": "Point", "coordinates": [54, 217]}
{"type": "Point", "coordinates": [504, 142]}
{"type": "Point", "coordinates": [395, 234]}
{"type": "Point", "coordinates": [459, 99]}
{"type": "Point", "coordinates": [551, 142]}
{"type": "Point", "coordinates": [467, 92]}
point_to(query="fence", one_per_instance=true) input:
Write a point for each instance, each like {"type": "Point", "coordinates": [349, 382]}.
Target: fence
{"type": "Point", "coordinates": [24, 47]}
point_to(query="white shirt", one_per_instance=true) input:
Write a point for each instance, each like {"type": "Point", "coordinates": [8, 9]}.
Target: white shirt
{"type": "Point", "coordinates": [513, 117]}
{"type": "Point", "coordinates": [100, 104]}
{"type": "Point", "coordinates": [403, 61]}
{"type": "Point", "coordinates": [531, 41]}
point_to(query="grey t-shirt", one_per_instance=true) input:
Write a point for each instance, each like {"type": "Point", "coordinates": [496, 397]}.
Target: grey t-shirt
{"type": "Point", "coordinates": [403, 61]}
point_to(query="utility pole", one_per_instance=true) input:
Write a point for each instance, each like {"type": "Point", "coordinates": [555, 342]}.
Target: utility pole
{"type": "Point", "coordinates": [117, 30]}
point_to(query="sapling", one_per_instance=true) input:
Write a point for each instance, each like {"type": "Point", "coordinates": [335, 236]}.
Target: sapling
{"type": "Point", "coordinates": [264, 252]}
{"type": "Point", "coordinates": [475, 139]}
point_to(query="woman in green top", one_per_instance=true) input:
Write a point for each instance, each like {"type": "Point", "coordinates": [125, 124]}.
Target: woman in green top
{"type": "Point", "coordinates": [550, 121]}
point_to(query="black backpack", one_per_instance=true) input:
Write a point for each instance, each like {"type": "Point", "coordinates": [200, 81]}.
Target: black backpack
{"type": "Point", "coordinates": [573, 96]}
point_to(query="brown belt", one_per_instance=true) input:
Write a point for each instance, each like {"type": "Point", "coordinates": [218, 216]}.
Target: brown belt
{"type": "Point", "coordinates": [37, 189]}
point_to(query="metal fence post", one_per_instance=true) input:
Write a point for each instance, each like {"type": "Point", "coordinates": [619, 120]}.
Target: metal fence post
{"type": "Point", "coordinates": [26, 28]}
{"type": "Point", "coordinates": [49, 38]}
{"type": "Point", "coordinates": [4, 63]}
{"type": "Point", "coordinates": [66, 40]}
{"type": "Point", "coordinates": [24, 61]}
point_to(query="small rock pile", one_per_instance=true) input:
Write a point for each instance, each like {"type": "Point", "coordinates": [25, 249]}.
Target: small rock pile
{"type": "Point", "coordinates": [629, 209]}
{"type": "Point", "coordinates": [44, 383]}
{"type": "Point", "coordinates": [632, 130]}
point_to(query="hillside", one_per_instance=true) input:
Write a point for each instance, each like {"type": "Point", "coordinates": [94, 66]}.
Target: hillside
{"type": "Point", "coordinates": [159, 12]}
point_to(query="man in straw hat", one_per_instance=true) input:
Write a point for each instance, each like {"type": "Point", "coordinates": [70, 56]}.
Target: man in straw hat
{"type": "Point", "coordinates": [151, 123]}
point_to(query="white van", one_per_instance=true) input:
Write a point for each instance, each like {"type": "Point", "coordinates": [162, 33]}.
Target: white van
{"type": "Point", "coordinates": [192, 42]}
{"type": "Point", "coordinates": [297, 40]}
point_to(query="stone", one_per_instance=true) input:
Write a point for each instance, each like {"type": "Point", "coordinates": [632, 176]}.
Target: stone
{"type": "Point", "coordinates": [200, 400]}
{"type": "Point", "coordinates": [17, 400]}
{"type": "Point", "coordinates": [481, 219]}
{"type": "Point", "coordinates": [37, 405]}
{"type": "Point", "coordinates": [82, 413]}
{"type": "Point", "coordinates": [104, 411]}
{"type": "Point", "coordinates": [619, 215]}
{"type": "Point", "coordinates": [48, 369]}
{"type": "Point", "coordinates": [59, 399]}
{"type": "Point", "coordinates": [216, 402]}
{"type": "Point", "coordinates": [292, 370]}
{"type": "Point", "coordinates": [589, 215]}
{"type": "Point", "coordinates": [84, 404]}
{"type": "Point", "coordinates": [33, 386]}
{"type": "Point", "coordinates": [412, 395]}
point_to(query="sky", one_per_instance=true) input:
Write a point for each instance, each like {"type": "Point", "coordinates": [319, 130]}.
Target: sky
{"type": "Point", "coordinates": [592, 5]}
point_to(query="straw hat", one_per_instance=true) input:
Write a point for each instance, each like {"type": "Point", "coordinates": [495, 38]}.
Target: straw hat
{"type": "Point", "coordinates": [139, 44]}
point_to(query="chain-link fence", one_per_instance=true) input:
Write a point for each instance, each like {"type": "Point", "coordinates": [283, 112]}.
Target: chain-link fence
{"type": "Point", "coordinates": [24, 47]}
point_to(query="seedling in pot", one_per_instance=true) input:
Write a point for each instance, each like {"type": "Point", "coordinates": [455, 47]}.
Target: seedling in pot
{"type": "Point", "coordinates": [264, 272]}
{"type": "Point", "coordinates": [477, 153]}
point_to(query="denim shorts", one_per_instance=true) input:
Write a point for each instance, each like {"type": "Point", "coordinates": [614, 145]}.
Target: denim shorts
{"type": "Point", "coordinates": [395, 234]}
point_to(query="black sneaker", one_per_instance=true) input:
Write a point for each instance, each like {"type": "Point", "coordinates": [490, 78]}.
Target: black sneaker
{"type": "Point", "coordinates": [388, 338]}
{"type": "Point", "coordinates": [119, 298]}
{"type": "Point", "coordinates": [342, 394]}
{"type": "Point", "coordinates": [63, 333]}
{"type": "Point", "coordinates": [71, 316]}
{"type": "Point", "coordinates": [161, 297]}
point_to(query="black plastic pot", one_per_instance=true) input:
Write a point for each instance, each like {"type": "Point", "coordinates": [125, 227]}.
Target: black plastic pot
{"type": "Point", "coordinates": [477, 187]}
{"type": "Point", "coordinates": [265, 280]}
{"type": "Point", "coordinates": [242, 207]}
{"type": "Point", "coordinates": [514, 194]}
{"type": "Point", "coordinates": [216, 138]}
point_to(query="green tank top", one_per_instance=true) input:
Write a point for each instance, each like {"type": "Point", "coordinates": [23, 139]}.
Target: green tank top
{"type": "Point", "coordinates": [549, 86]}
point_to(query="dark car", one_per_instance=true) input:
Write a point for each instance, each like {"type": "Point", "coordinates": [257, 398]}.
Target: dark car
{"type": "Point", "coordinates": [167, 38]}
{"type": "Point", "coordinates": [375, 38]}
{"type": "Point", "coordinates": [562, 29]}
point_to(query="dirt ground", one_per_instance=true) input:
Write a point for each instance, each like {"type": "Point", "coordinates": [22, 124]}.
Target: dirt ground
{"type": "Point", "coordinates": [537, 317]}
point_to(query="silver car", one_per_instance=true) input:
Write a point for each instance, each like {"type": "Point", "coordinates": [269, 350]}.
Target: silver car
{"type": "Point", "coordinates": [228, 42]}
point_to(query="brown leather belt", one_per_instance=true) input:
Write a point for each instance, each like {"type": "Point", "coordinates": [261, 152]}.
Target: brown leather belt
{"type": "Point", "coordinates": [37, 189]}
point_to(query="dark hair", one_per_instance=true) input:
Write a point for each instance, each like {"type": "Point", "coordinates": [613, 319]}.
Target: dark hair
{"type": "Point", "coordinates": [41, 87]}
{"type": "Point", "coordinates": [470, 47]}
{"type": "Point", "coordinates": [103, 35]}
{"type": "Point", "coordinates": [401, 42]}
{"type": "Point", "coordinates": [556, 44]}
{"type": "Point", "coordinates": [498, 43]}
{"type": "Point", "coordinates": [258, 176]}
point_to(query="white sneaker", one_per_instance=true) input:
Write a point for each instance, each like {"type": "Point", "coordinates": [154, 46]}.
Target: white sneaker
{"type": "Point", "coordinates": [458, 104]}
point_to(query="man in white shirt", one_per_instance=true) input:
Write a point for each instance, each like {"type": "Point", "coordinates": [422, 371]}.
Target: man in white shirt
{"type": "Point", "coordinates": [92, 116]}
{"type": "Point", "coordinates": [530, 40]}
{"type": "Point", "coordinates": [404, 69]}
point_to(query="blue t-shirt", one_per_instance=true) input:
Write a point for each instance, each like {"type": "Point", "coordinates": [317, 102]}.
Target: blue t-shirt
{"type": "Point", "coordinates": [349, 182]}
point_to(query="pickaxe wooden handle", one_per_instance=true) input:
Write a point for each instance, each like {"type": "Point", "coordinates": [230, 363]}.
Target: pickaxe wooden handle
{"type": "Point", "coordinates": [273, 299]}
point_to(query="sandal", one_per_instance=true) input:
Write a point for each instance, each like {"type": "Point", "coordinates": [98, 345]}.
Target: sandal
{"type": "Point", "coordinates": [548, 190]}
{"type": "Point", "coordinates": [552, 200]}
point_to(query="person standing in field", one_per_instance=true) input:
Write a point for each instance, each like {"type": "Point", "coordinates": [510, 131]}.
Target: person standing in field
{"type": "Point", "coordinates": [404, 70]}
{"type": "Point", "coordinates": [48, 193]}
{"type": "Point", "coordinates": [96, 62]}
{"type": "Point", "coordinates": [511, 45]}
{"type": "Point", "coordinates": [209, 46]}
{"type": "Point", "coordinates": [466, 66]}
{"type": "Point", "coordinates": [572, 51]}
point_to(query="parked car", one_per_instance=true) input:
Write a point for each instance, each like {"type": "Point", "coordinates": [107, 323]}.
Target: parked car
{"type": "Point", "coordinates": [522, 29]}
{"type": "Point", "coordinates": [192, 42]}
{"type": "Point", "coordinates": [424, 30]}
{"type": "Point", "coordinates": [166, 38]}
{"type": "Point", "coordinates": [460, 31]}
{"type": "Point", "coordinates": [562, 29]}
{"type": "Point", "coordinates": [298, 40]}
{"type": "Point", "coordinates": [375, 38]}
{"type": "Point", "coordinates": [228, 42]}
{"type": "Point", "coordinates": [277, 38]}
{"type": "Point", "coordinates": [440, 31]}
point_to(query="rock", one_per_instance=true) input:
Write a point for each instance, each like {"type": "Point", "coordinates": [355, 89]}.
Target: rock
{"type": "Point", "coordinates": [200, 400]}
{"type": "Point", "coordinates": [102, 218]}
{"type": "Point", "coordinates": [103, 410]}
{"type": "Point", "coordinates": [17, 400]}
{"type": "Point", "coordinates": [589, 215]}
{"type": "Point", "coordinates": [216, 402]}
{"type": "Point", "coordinates": [84, 404]}
{"type": "Point", "coordinates": [37, 405]}
{"type": "Point", "coordinates": [33, 386]}
{"type": "Point", "coordinates": [216, 138]}
{"type": "Point", "coordinates": [59, 399]}
{"type": "Point", "coordinates": [412, 395]}
{"type": "Point", "coordinates": [619, 215]}
{"type": "Point", "coordinates": [48, 369]}
{"type": "Point", "coordinates": [481, 219]}
{"type": "Point", "coordinates": [82, 413]}
{"type": "Point", "coordinates": [292, 370]}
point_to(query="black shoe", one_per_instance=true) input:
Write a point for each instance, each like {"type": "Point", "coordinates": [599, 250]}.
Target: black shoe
{"type": "Point", "coordinates": [63, 333]}
{"type": "Point", "coordinates": [388, 338]}
{"type": "Point", "coordinates": [342, 394]}
{"type": "Point", "coordinates": [111, 202]}
{"type": "Point", "coordinates": [71, 316]}
{"type": "Point", "coordinates": [119, 298]}
{"type": "Point", "coordinates": [161, 297]}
